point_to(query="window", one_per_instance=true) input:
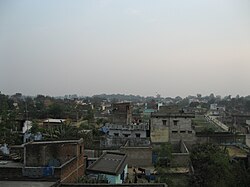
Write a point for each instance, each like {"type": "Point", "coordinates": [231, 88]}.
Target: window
{"type": "Point", "coordinates": [182, 131]}
{"type": "Point", "coordinates": [175, 122]}
{"type": "Point", "coordinates": [116, 134]}
{"type": "Point", "coordinates": [174, 132]}
{"type": "Point", "coordinates": [126, 135]}
{"type": "Point", "coordinates": [80, 149]}
{"type": "Point", "coordinates": [138, 135]}
{"type": "Point", "coordinates": [190, 132]}
{"type": "Point", "coordinates": [164, 122]}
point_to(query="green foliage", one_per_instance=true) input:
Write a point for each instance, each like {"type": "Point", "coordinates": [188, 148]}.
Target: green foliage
{"type": "Point", "coordinates": [63, 131]}
{"type": "Point", "coordinates": [164, 153]}
{"type": "Point", "coordinates": [212, 167]}
{"type": "Point", "coordinates": [101, 121]}
{"type": "Point", "coordinates": [183, 103]}
{"type": "Point", "coordinates": [90, 115]}
{"type": "Point", "coordinates": [35, 128]}
{"type": "Point", "coordinates": [56, 111]}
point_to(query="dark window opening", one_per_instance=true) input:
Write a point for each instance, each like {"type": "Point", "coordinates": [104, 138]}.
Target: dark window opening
{"type": "Point", "coordinates": [175, 122]}
{"type": "Point", "coordinates": [174, 132]}
{"type": "Point", "coordinates": [164, 122]}
{"type": "Point", "coordinates": [190, 132]}
{"type": "Point", "coordinates": [116, 134]}
{"type": "Point", "coordinates": [126, 135]}
{"type": "Point", "coordinates": [138, 135]}
{"type": "Point", "coordinates": [182, 131]}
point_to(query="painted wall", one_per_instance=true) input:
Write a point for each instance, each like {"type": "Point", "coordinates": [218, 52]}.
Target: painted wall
{"type": "Point", "coordinates": [116, 179]}
{"type": "Point", "coordinates": [159, 131]}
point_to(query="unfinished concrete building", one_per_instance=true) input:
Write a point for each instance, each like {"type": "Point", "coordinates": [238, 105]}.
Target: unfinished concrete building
{"type": "Point", "coordinates": [171, 125]}
{"type": "Point", "coordinates": [47, 160]}
{"type": "Point", "coordinates": [121, 127]}
{"type": "Point", "coordinates": [121, 113]}
{"type": "Point", "coordinates": [139, 153]}
{"type": "Point", "coordinates": [133, 130]}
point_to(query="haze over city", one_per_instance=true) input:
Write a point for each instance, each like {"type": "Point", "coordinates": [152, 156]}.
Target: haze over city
{"type": "Point", "coordinates": [131, 47]}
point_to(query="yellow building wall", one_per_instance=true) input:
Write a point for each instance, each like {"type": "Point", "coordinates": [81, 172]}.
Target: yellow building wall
{"type": "Point", "coordinates": [159, 135]}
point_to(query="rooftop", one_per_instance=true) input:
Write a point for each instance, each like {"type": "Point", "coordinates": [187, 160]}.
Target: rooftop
{"type": "Point", "coordinates": [10, 164]}
{"type": "Point", "coordinates": [110, 163]}
{"type": "Point", "coordinates": [54, 121]}
{"type": "Point", "coordinates": [186, 115]}
{"type": "Point", "coordinates": [234, 151]}
{"type": "Point", "coordinates": [27, 183]}
{"type": "Point", "coordinates": [54, 142]}
{"type": "Point", "coordinates": [116, 185]}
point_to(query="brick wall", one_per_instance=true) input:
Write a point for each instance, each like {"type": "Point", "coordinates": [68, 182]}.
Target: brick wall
{"type": "Point", "coordinates": [66, 152]}
{"type": "Point", "coordinates": [75, 169]}
{"type": "Point", "coordinates": [70, 156]}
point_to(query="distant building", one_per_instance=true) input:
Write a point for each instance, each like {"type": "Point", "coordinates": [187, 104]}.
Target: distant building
{"type": "Point", "coordinates": [128, 131]}
{"type": "Point", "coordinates": [147, 114]}
{"type": "Point", "coordinates": [111, 166]}
{"type": "Point", "coordinates": [51, 123]}
{"type": "Point", "coordinates": [216, 110]}
{"type": "Point", "coordinates": [121, 113]}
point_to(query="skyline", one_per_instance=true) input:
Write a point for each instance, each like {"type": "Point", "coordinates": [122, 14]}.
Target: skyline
{"type": "Point", "coordinates": [132, 47]}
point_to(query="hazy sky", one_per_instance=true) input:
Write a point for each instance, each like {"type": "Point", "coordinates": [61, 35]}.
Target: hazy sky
{"type": "Point", "coordinates": [59, 47]}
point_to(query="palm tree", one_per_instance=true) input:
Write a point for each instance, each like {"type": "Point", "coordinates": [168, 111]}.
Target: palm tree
{"type": "Point", "coordinates": [63, 131]}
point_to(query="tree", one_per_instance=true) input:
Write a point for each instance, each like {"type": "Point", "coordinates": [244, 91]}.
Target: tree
{"type": "Point", "coordinates": [63, 131]}
{"type": "Point", "coordinates": [55, 110]}
{"type": "Point", "coordinates": [162, 165]}
{"type": "Point", "coordinates": [213, 167]}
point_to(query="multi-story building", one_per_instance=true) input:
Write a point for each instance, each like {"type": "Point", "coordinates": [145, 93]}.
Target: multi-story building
{"type": "Point", "coordinates": [121, 113]}
{"type": "Point", "coordinates": [132, 131]}
{"type": "Point", "coordinates": [171, 125]}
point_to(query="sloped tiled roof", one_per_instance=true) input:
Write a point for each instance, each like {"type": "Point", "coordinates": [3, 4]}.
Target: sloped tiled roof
{"type": "Point", "coordinates": [110, 163]}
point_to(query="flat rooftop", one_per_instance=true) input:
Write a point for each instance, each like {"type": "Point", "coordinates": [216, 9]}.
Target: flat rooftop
{"type": "Point", "coordinates": [54, 121]}
{"type": "Point", "coordinates": [27, 184]}
{"type": "Point", "coordinates": [116, 185]}
{"type": "Point", "coordinates": [54, 142]}
{"type": "Point", "coordinates": [180, 115]}
{"type": "Point", "coordinates": [10, 164]}
{"type": "Point", "coordinates": [234, 151]}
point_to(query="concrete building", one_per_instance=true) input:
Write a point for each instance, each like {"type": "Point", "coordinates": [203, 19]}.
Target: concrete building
{"type": "Point", "coordinates": [52, 123]}
{"type": "Point", "coordinates": [216, 110]}
{"type": "Point", "coordinates": [47, 160]}
{"type": "Point", "coordinates": [121, 113]}
{"type": "Point", "coordinates": [117, 135]}
{"type": "Point", "coordinates": [111, 166]}
{"type": "Point", "coordinates": [171, 125]}
{"type": "Point", "coordinates": [139, 153]}
{"type": "Point", "coordinates": [132, 131]}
